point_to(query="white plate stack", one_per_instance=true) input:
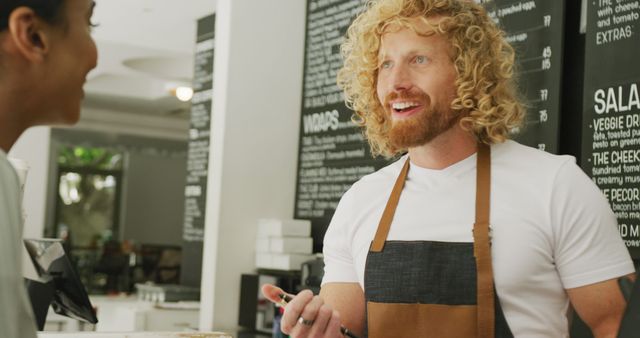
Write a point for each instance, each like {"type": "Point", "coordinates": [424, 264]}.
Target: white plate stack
{"type": "Point", "coordinates": [283, 244]}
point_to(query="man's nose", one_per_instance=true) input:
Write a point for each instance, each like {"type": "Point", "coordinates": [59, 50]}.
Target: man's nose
{"type": "Point", "coordinates": [401, 78]}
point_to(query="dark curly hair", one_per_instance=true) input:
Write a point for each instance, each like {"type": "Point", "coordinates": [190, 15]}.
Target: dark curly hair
{"type": "Point", "coordinates": [48, 10]}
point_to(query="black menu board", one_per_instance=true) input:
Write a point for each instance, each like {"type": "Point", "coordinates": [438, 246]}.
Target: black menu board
{"type": "Point", "coordinates": [332, 152]}
{"type": "Point", "coordinates": [611, 128]}
{"type": "Point", "coordinates": [198, 156]}
{"type": "Point", "coordinates": [535, 30]}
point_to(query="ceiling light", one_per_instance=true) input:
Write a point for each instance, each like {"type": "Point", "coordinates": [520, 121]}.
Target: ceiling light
{"type": "Point", "coordinates": [184, 94]}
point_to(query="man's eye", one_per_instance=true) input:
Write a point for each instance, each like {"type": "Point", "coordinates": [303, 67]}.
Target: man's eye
{"type": "Point", "coordinates": [420, 59]}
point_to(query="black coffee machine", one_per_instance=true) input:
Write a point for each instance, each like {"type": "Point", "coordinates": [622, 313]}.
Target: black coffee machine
{"type": "Point", "coordinates": [312, 273]}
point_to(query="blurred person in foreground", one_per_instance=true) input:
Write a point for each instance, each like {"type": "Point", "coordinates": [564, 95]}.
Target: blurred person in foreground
{"type": "Point", "coordinates": [46, 51]}
{"type": "Point", "coordinates": [468, 234]}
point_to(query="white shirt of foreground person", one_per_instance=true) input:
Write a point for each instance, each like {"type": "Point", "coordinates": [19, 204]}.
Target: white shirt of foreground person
{"type": "Point", "coordinates": [552, 229]}
{"type": "Point", "coordinates": [16, 318]}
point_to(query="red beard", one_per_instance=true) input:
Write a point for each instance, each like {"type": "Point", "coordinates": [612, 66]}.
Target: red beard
{"type": "Point", "coordinates": [421, 127]}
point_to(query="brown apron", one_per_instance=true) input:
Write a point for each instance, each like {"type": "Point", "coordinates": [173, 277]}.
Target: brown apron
{"type": "Point", "coordinates": [434, 289]}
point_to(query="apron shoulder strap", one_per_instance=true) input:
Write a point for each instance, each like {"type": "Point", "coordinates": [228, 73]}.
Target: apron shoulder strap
{"type": "Point", "coordinates": [389, 210]}
{"type": "Point", "coordinates": [482, 245]}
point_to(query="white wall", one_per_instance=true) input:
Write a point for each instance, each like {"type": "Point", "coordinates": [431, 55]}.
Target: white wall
{"type": "Point", "coordinates": [253, 158]}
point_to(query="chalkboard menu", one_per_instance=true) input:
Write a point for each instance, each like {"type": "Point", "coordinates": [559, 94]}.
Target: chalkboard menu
{"type": "Point", "coordinates": [611, 128]}
{"type": "Point", "coordinates": [332, 151]}
{"type": "Point", "coordinates": [198, 156]}
{"type": "Point", "coordinates": [535, 30]}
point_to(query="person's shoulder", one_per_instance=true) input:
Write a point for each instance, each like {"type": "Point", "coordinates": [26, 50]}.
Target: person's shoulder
{"type": "Point", "coordinates": [512, 153]}
{"type": "Point", "coordinates": [6, 169]}
{"type": "Point", "coordinates": [9, 185]}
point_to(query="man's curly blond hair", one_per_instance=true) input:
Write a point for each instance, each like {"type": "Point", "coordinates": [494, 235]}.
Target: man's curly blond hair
{"type": "Point", "coordinates": [487, 97]}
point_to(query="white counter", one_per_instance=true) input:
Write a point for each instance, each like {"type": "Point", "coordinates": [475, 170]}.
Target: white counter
{"type": "Point", "coordinates": [131, 315]}
{"type": "Point", "coordinates": [128, 314]}
{"type": "Point", "coordinates": [134, 335]}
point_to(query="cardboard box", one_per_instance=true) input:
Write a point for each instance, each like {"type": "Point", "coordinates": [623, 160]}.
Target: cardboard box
{"type": "Point", "coordinates": [263, 260]}
{"type": "Point", "coordinates": [286, 262]}
{"type": "Point", "coordinates": [272, 227]}
{"type": "Point", "coordinates": [301, 245]}
{"type": "Point", "coordinates": [263, 245]}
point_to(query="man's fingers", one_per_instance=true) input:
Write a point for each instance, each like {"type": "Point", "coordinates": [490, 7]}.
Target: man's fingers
{"type": "Point", "coordinates": [294, 309]}
{"type": "Point", "coordinates": [333, 327]}
{"type": "Point", "coordinates": [321, 321]}
{"type": "Point", "coordinates": [311, 310]}
{"type": "Point", "coordinates": [308, 317]}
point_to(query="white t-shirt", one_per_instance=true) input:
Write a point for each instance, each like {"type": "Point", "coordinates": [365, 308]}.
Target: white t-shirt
{"type": "Point", "coordinates": [16, 319]}
{"type": "Point", "coordinates": [552, 229]}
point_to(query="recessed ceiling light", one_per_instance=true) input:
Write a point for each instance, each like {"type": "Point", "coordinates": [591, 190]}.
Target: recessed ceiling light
{"type": "Point", "coordinates": [184, 94]}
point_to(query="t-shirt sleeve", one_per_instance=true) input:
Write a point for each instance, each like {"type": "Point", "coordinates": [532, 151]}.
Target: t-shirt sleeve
{"type": "Point", "coordinates": [338, 259]}
{"type": "Point", "coordinates": [587, 245]}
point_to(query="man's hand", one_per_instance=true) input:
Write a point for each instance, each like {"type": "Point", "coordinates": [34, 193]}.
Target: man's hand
{"type": "Point", "coordinates": [305, 315]}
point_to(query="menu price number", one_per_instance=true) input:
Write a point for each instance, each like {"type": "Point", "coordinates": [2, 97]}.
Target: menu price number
{"type": "Point", "coordinates": [544, 116]}
{"type": "Point", "coordinates": [544, 94]}
{"type": "Point", "coordinates": [546, 58]}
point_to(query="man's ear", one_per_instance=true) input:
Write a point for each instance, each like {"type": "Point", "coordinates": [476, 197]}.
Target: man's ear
{"type": "Point", "coordinates": [28, 34]}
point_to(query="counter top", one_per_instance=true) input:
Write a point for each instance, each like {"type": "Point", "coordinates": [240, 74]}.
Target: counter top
{"type": "Point", "coordinates": [134, 335]}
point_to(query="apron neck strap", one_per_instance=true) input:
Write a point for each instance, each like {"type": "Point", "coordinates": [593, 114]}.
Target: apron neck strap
{"type": "Point", "coordinates": [483, 184]}
{"type": "Point", "coordinates": [482, 245]}
{"type": "Point", "coordinates": [390, 210]}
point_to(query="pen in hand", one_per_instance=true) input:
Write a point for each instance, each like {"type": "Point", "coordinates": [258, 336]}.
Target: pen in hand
{"type": "Point", "coordinates": [286, 299]}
